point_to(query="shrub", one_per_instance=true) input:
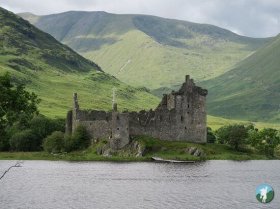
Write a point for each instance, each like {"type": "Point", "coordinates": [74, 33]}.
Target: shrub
{"type": "Point", "coordinates": [277, 150]}
{"type": "Point", "coordinates": [211, 138]}
{"type": "Point", "coordinates": [54, 143]}
{"type": "Point", "coordinates": [24, 141]}
{"type": "Point", "coordinates": [4, 141]}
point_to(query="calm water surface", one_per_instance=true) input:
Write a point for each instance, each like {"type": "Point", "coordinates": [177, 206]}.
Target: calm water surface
{"type": "Point", "coordinates": [102, 185]}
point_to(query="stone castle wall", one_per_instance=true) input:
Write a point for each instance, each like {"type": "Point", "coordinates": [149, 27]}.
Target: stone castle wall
{"type": "Point", "coordinates": [181, 115]}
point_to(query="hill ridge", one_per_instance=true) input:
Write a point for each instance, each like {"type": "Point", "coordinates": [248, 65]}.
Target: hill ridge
{"type": "Point", "coordinates": [165, 49]}
{"type": "Point", "coordinates": [54, 71]}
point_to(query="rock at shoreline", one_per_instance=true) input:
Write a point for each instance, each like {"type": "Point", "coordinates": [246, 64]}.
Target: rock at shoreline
{"type": "Point", "coordinates": [195, 152]}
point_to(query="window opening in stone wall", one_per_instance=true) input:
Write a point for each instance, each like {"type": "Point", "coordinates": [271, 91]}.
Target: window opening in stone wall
{"type": "Point", "coordinates": [160, 118]}
{"type": "Point", "coordinates": [118, 117]}
{"type": "Point", "coordinates": [182, 118]}
{"type": "Point", "coordinates": [118, 128]}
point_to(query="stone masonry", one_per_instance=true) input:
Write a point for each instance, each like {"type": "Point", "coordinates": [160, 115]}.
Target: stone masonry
{"type": "Point", "coordinates": [180, 116]}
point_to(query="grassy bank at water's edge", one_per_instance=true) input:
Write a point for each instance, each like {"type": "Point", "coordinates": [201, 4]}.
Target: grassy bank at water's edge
{"type": "Point", "coordinates": [165, 149]}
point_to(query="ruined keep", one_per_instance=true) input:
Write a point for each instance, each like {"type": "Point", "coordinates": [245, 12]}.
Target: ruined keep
{"type": "Point", "coordinates": [181, 116]}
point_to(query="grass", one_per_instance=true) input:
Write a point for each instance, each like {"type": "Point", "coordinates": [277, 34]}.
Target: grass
{"type": "Point", "coordinates": [153, 147]}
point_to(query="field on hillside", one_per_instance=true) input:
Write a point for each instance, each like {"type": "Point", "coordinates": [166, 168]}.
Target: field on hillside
{"type": "Point", "coordinates": [94, 89]}
{"type": "Point", "coordinates": [216, 122]}
{"type": "Point", "coordinates": [250, 91]}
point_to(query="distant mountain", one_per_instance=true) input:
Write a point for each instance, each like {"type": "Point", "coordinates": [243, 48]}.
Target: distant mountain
{"type": "Point", "coordinates": [149, 51]}
{"type": "Point", "coordinates": [250, 90]}
{"type": "Point", "coordinates": [54, 71]}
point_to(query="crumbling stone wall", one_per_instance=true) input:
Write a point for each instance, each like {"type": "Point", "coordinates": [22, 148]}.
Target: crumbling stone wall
{"type": "Point", "coordinates": [181, 115]}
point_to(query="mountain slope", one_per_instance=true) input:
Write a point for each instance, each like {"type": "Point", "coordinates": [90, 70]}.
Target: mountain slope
{"type": "Point", "coordinates": [146, 50]}
{"type": "Point", "coordinates": [54, 71]}
{"type": "Point", "coordinates": [251, 90]}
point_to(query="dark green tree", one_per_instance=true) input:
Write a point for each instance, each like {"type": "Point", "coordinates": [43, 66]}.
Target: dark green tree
{"type": "Point", "coordinates": [265, 140]}
{"type": "Point", "coordinates": [79, 140]}
{"type": "Point", "coordinates": [24, 141]}
{"type": "Point", "coordinates": [234, 135]}
{"type": "Point", "coordinates": [16, 105]}
{"type": "Point", "coordinates": [54, 143]}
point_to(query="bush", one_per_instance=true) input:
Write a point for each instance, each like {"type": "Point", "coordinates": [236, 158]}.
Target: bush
{"type": "Point", "coordinates": [79, 140]}
{"type": "Point", "coordinates": [24, 141]}
{"type": "Point", "coordinates": [54, 143]}
{"type": "Point", "coordinates": [277, 150]}
{"type": "Point", "coordinates": [4, 141]}
{"type": "Point", "coordinates": [211, 138]}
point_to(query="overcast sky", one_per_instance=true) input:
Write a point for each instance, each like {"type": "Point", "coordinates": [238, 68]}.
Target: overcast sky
{"type": "Point", "coordinates": [255, 18]}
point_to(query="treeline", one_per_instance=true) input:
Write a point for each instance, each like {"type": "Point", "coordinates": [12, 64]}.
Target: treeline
{"type": "Point", "coordinates": [247, 137]}
{"type": "Point", "coordinates": [22, 128]}
{"type": "Point", "coordinates": [28, 135]}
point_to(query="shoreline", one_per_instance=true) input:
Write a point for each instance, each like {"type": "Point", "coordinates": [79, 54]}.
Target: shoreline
{"type": "Point", "coordinates": [82, 157]}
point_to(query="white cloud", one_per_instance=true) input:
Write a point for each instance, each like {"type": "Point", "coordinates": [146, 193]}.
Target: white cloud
{"type": "Point", "coordinates": [256, 18]}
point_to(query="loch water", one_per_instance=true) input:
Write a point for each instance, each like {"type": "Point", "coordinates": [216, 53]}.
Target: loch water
{"type": "Point", "coordinates": [137, 185]}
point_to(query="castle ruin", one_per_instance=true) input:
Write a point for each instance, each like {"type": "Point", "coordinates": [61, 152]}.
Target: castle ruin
{"type": "Point", "coordinates": [180, 116]}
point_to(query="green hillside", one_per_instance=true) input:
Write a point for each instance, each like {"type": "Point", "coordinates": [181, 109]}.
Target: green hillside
{"type": "Point", "coordinates": [145, 50]}
{"type": "Point", "coordinates": [54, 71]}
{"type": "Point", "coordinates": [251, 90]}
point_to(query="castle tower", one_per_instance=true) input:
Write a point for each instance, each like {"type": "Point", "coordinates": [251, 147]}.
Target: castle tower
{"type": "Point", "coordinates": [120, 127]}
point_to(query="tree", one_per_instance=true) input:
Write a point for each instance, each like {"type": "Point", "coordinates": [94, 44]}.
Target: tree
{"type": "Point", "coordinates": [43, 126]}
{"type": "Point", "coordinates": [15, 101]}
{"type": "Point", "coordinates": [24, 141]}
{"type": "Point", "coordinates": [265, 140]}
{"type": "Point", "coordinates": [54, 142]}
{"type": "Point", "coordinates": [16, 105]}
{"type": "Point", "coordinates": [234, 135]}
{"type": "Point", "coordinates": [79, 140]}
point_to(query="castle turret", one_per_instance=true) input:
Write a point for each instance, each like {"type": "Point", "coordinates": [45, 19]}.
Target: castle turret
{"type": "Point", "coordinates": [75, 111]}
